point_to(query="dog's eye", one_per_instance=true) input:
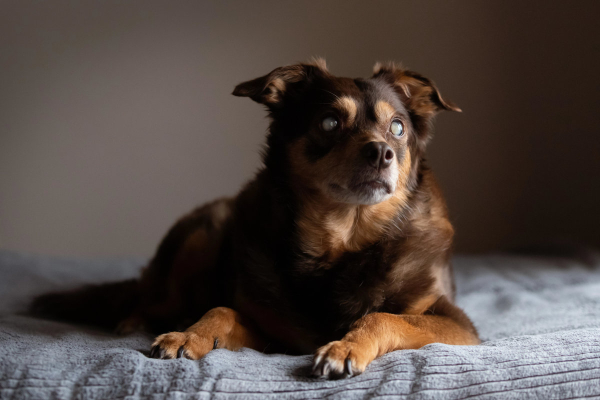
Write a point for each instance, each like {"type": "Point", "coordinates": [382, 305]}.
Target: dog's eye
{"type": "Point", "coordinates": [328, 124]}
{"type": "Point", "coordinates": [397, 128]}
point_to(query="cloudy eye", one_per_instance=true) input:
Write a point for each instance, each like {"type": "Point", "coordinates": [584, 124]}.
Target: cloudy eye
{"type": "Point", "coordinates": [328, 124]}
{"type": "Point", "coordinates": [397, 128]}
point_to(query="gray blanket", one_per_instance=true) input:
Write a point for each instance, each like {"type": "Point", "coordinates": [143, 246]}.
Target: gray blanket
{"type": "Point", "coordinates": [538, 316]}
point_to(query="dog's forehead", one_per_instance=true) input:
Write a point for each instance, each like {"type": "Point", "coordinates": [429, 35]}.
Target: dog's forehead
{"type": "Point", "coordinates": [373, 97]}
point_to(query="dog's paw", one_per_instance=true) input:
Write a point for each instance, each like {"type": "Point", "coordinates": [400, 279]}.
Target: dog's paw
{"type": "Point", "coordinates": [182, 344]}
{"type": "Point", "coordinates": [340, 359]}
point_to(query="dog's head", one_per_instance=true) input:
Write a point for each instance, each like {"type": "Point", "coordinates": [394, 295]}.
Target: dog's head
{"type": "Point", "coordinates": [355, 141]}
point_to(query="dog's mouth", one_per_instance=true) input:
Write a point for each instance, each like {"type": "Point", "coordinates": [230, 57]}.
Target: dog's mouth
{"type": "Point", "coordinates": [370, 191]}
{"type": "Point", "coordinates": [365, 186]}
{"type": "Point", "coordinates": [371, 186]}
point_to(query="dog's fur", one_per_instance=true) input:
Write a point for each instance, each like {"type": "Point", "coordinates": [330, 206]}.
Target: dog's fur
{"type": "Point", "coordinates": [326, 250]}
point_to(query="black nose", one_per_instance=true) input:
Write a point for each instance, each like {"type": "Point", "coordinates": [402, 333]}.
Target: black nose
{"type": "Point", "coordinates": [378, 154]}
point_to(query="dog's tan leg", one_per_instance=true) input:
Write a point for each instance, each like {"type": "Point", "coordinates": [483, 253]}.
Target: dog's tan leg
{"type": "Point", "coordinates": [379, 333]}
{"type": "Point", "coordinates": [221, 327]}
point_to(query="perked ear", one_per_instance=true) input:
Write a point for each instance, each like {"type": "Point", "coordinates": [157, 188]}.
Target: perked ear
{"type": "Point", "coordinates": [271, 88]}
{"type": "Point", "coordinates": [418, 93]}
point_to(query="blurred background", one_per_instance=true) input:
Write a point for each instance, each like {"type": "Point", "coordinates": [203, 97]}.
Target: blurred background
{"type": "Point", "coordinates": [116, 117]}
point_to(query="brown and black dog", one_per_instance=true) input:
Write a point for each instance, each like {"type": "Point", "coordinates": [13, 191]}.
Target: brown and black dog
{"type": "Point", "coordinates": [339, 246]}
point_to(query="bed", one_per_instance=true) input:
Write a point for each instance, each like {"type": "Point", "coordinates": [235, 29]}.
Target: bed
{"type": "Point", "coordinates": [538, 315]}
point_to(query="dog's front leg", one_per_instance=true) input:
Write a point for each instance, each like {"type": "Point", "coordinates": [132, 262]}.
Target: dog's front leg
{"type": "Point", "coordinates": [379, 333]}
{"type": "Point", "coordinates": [221, 327]}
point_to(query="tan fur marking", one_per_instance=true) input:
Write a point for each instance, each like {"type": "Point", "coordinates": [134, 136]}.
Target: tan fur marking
{"type": "Point", "coordinates": [422, 304]}
{"type": "Point", "coordinates": [384, 111]}
{"type": "Point", "coordinates": [318, 62]}
{"type": "Point", "coordinates": [379, 66]}
{"type": "Point", "coordinates": [442, 279]}
{"type": "Point", "coordinates": [273, 97]}
{"type": "Point", "coordinates": [219, 323]}
{"type": "Point", "coordinates": [404, 175]}
{"type": "Point", "coordinates": [278, 84]}
{"type": "Point", "coordinates": [337, 229]}
{"type": "Point", "coordinates": [379, 333]}
{"type": "Point", "coordinates": [348, 106]}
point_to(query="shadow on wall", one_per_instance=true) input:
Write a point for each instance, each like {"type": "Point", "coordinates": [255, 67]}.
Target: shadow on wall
{"type": "Point", "coordinates": [116, 118]}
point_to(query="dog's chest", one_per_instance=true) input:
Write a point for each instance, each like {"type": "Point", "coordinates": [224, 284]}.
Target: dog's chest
{"type": "Point", "coordinates": [335, 295]}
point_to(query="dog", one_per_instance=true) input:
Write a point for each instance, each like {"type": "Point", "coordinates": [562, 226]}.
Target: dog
{"type": "Point", "coordinates": [340, 246]}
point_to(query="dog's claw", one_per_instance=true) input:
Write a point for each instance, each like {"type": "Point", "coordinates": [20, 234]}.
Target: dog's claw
{"type": "Point", "coordinates": [180, 352]}
{"type": "Point", "coordinates": [154, 351]}
{"type": "Point", "coordinates": [161, 354]}
{"type": "Point", "coordinates": [317, 370]}
{"type": "Point", "coordinates": [348, 367]}
{"type": "Point", "coordinates": [314, 371]}
{"type": "Point", "coordinates": [325, 368]}
{"type": "Point", "coordinates": [216, 343]}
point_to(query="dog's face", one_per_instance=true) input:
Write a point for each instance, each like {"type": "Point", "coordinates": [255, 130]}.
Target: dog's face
{"type": "Point", "coordinates": [353, 141]}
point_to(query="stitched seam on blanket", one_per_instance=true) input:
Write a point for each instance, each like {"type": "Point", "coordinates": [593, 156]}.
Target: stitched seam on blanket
{"type": "Point", "coordinates": [580, 397]}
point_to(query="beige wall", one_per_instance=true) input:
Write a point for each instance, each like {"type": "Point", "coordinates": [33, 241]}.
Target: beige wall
{"type": "Point", "coordinates": [116, 117]}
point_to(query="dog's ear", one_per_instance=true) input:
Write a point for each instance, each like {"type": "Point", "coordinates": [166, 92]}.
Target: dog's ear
{"type": "Point", "coordinates": [270, 89]}
{"type": "Point", "coordinates": [419, 94]}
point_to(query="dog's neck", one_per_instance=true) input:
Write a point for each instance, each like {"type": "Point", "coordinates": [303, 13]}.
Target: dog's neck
{"type": "Point", "coordinates": [328, 229]}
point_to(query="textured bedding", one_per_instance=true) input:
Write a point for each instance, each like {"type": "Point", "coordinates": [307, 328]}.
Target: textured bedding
{"type": "Point", "coordinates": [538, 316]}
